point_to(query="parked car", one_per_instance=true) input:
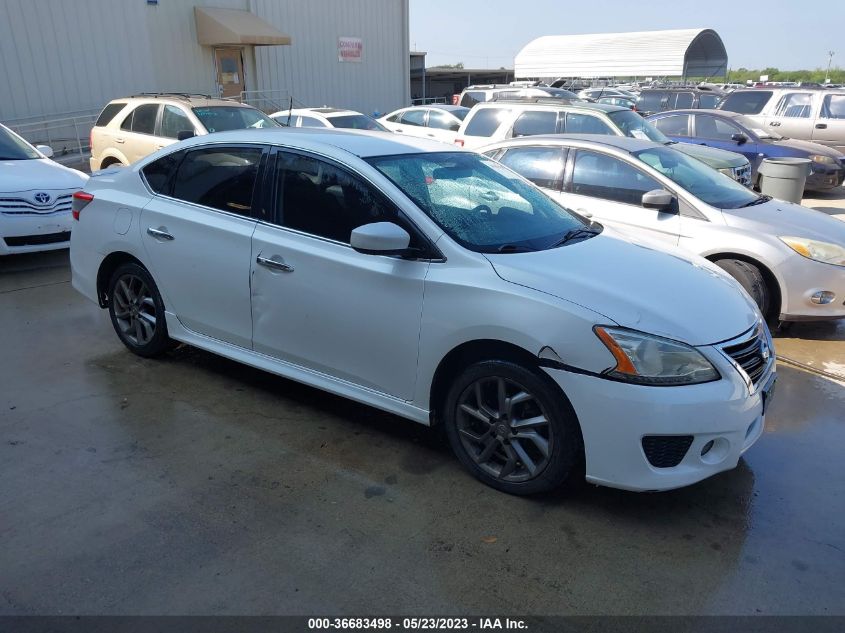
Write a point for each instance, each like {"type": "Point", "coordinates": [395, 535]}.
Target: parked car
{"type": "Point", "coordinates": [481, 94]}
{"type": "Point", "coordinates": [35, 197]}
{"type": "Point", "coordinates": [625, 102]}
{"type": "Point", "coordinates": [803, 114]}
{"type": "Point", "coordinates": [594, 94]}
{"type": "Point", "coordinates": [502, 120]}
{"type": "Point", "coordinates": [539, 332]}
{"type": "Point", "coordinates": [438, 121]}
{"type": "Point", "coordinates": [662, 99]}
{"type": "Point", "coordinates": [738, 133]}
{"type": "Point", "coordinates": [133, 127]}
{"type": "Point", "coordinates": [789, 258]}
{"type": "Point", "coordinates": [327, 117]}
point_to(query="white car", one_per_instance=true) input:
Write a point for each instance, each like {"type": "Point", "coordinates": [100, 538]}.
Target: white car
{"type": "Point", "coordinates": [438, 121]}
{"type": "Point", "coordinates": [789, 258]}
{"type": "Point", "coordinates": [380, 268]}
{"type": "Point", "coordinates": [327, 117]}
{"type": "Point", "coordinates": [35, 197]}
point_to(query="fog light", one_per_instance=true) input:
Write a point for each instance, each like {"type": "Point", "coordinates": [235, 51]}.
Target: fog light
{"type": "Point", "coordinates": [823, 297]}
{"type": "Point", "coordinates": [706, 448]}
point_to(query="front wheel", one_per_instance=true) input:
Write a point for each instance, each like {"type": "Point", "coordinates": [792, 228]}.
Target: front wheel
{"type": "Point", "coordinates": [511, 428]}
{"type": "Point", "coordinates": [137, 311]}
{"type": "Point", "coordinates": [752, 280]}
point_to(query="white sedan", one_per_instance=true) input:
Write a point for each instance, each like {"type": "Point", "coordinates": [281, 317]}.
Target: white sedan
{"type": "Point", "coordinates": [440, 122]}
{"type": "Point", "coordinates": [386, 270]}
{"type": "Point", "coordinates": [327, 117]}
{"type": "Point", "coordinates": [789, 258]}
{"type": "Point", "coordinates": [35, 197]}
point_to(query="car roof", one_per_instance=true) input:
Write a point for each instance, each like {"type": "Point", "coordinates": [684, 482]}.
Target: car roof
{"type": "Point", "coordinates": [443, 106]}
{"type": "Point", "coordinates": [722, 113]}
{"type": "Point", "coordinates": [193, 100]}
{"type": "Point", "coordinates": [555, 103]}
{"type": "Point", "coordinates": [362, 143]}
{"type": "Point", "coordinates": [625, 143]}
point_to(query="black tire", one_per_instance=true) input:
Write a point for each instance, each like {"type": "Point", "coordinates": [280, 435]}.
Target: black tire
{"type": "Point", "coordinates": [139, 324]}
{"type": "Point", "coordinates": [564, 445]}
{"type": "Point", "coordinates": [750, 278]}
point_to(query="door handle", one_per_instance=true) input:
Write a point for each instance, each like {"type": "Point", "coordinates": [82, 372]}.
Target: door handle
{"type": "Point", "coordinates": [273, 264]}
{"type": "Point", "coordinates": [821, 126]}
{"type": "Point", "coordinates": [119, 140]}
{"type": "Point", "coordinates": [431, 135]}
{"type": "Point", "coordinates": [158, 147]}
{"type": "Point", "coordinates": [399, 129]}
{"type": "Point", "coordinates": [160, 234]}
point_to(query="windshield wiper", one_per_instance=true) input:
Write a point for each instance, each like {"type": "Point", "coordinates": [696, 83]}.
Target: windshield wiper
{"type": "Point", "coordinates": [581, 233]}
{"type": "Point", "coordinates": [761, 200]}
{"type": "Point", "coordinates": [514, 248]}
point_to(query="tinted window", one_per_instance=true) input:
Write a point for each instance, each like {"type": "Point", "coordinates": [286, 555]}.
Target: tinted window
{"type": "Point", "coordinates": [796, 105]}
{"type": "Point", "coordinates": [609, 178]}
{"type": "Point", "coordinates": [218, 177]}
{"type": "Point", "coordinates": [108, 113]}
{"type": "Point", "coordinates": [442, 121]}
{"type": "Point", "coordinates": [650, 101]}
{"type": "Point", "coordinates": [310, 121]}
{"type": "Point", "coordinates": [833, 107]}
{"type": "Point", "coordinates": [414, 117]}
{"type": "Point", "coordinates": [532, 123]}
{"type": "Point", "coordinates": [173, 121]}
{"type": "Point", "coordinates": [159, 174]}
{"type": "Point", "coordinates": [682, 100]}
{"type": "Point", "coordinates": [746, 102]}
{"type": "Point", "coordinates": [541, 165]}
{"type": "Point", "coordinates": [471, 98]}
{"type": "Point", "coordinates": [677, 125]}
{"type": "Point", "coordinates": [708, 101]}
{"type": "Point", "coordinates": [577, 123]}
{"type": "Point", "coordinates": [223, 118]}
{"type": "Point", "coordinates": [358, 122]}
{"type": "Point", "coordinates": [320, 199]}
{"type": "Point", "coordinates": [710, 127]}
{"type": "Point", "coordinates": [394, 118]}
{"type": "Point", "coordinates": [485, 122]}
{"type": "Point", "coordinates": [144, 118]}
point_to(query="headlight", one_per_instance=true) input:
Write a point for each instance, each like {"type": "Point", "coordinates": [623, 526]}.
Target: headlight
{"type": "Point", "coordinates": [827, 160]}
{"type": "Point", "coordinates": [824, 252]}
{"type": "Point", "coordinates": [728, 171]}
{"type": "Point", "coordinates": [652, 360]}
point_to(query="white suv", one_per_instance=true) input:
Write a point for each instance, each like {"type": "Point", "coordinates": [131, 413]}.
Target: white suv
{"type": "Point", "coordinates": [437, 285]}
{"type": "Point", "coordinates": [131, 128]}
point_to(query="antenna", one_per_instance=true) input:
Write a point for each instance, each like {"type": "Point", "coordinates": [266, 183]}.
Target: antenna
{"type": "Point", "coordinates": [290, 111]}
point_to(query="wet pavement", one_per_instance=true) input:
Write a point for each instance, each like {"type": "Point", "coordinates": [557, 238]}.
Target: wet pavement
{"type": "Point", "coordinates": [194, 485]}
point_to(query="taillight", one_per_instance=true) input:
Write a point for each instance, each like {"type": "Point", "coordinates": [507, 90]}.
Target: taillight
{"type": "Point", "coordinates": [459, 142]}
{"type": "Point", "coordinates": [81, 199]}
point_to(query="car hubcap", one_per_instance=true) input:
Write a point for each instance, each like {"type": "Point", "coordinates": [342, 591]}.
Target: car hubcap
{"type": "Point", "coordinates": [504, 429]}
{"type": "Point", "coordinates": [134, 309]}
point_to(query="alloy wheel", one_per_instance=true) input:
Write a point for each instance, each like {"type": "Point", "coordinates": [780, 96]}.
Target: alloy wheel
{"type": "Point", "coordinates": [134, 309]}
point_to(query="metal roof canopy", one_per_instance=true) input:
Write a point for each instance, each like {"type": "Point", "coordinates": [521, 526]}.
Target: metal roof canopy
{"type": "Point", "coordinates": [676, 53]}
{"type": "Point", "coordinates": [235, 27]}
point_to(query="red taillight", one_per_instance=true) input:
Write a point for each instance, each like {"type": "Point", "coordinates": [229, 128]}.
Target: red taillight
{"type": "Point", "coordinates": [81, 199]}
{"type": "Point", "coordinates": [459, 142]}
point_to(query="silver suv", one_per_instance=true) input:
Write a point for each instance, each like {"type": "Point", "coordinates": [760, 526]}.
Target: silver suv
{"type": "Point", "coordinates": [129, 129]}
{"type": "Point", "coordinates": [801, 113]}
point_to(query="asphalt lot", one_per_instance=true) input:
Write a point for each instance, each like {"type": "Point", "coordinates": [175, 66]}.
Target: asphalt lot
{"type": "Point", "coordinates": [193, 485]}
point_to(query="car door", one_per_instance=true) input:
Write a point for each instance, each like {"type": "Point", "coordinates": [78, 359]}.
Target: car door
{"type": "Point", "coordinates": [318, 303]}
{"type": "Point", "coordinates": [829, 127]}
{"type": "Point", "coordinates": [719, 132]}
{"type": "Point", "coordinates": [793, 115]}
{"type": "Point", "coordinates": [610, 190]}
{"type": "Point", "coordinates": [137, 138]}
{"type": "Point", "coordinates": [197, 235]}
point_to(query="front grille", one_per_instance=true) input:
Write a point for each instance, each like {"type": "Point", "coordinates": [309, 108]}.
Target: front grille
{"type": "Point", "coordinates": [35, 240]}
{"type": "Point", "coordinates": [666, 451]}
{"type": "Point", "coordinates": [743, 175]}
{"type": "Point", "coordinates": [752, 355]}
{"type": "Point", "coordinates": [22, 206]}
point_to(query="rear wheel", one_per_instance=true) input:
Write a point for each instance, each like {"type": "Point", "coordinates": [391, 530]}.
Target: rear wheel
{"type": "Point", "coordinates": [511, 428]}
{"type": "Point", "coordinates": [137, 311]}
{"type": "Point", "coordinates": [750, 278]}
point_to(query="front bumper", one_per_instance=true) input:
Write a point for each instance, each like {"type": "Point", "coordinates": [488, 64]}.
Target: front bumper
{"type": "Point", "coordinates": [825, 177]}
{"type": "Point", "coordinates": [34, 233]}
{"type": "Point", "coordinates": [802, 279]}
{"type": "Point", "coordinates": [616, 416]}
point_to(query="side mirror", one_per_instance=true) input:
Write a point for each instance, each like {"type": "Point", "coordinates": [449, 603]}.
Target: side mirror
{"type": "Point", "coordinates": [184, 134]}
{"type": "Point", "coordinates": [45, 149]}
{"type": "Point", "coordinates": [380, 238]}
{"type": "Point", "coordinates": [740, 138]}
{"type": "Point", "coordinates": [659, 199]}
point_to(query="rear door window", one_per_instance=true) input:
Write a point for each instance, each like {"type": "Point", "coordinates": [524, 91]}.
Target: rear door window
{"type": "Point", "coordinates": [159, 173]}
{"type": "Point", "coordinates": [442, 121]}
{"type": "Point", "coordinates": [676, 125]}
{"type": "Point", "coordinates": [711, 127]}
{"type": "Point", "coordinates": [746, 101]}
{"type": "Point", "coordinates": [650, 101]}
{"type": "Point", "coordinates": [485, 122]}
{"type": "Point", "coordinates": [708, 101]}
{"type": "Point", "coordinates": [414, 117]}
{"type": "Point", "coordinates": [682, 100]}
{"type": "Point", "coordinates": [795, 105]}
{"type": "Point", "coordinates": [471, 98]}
{"type": "Point", "coordinates": [533, 123]}
{"type": "Point", "coordinates": [143, 119]}
{"type": "Point", "coordinates": [219, 177]}
{"type": "Point", "coordinates": [578, 123]}
{"type": "Point", "coordinates": [541, 165]}
{"type": "Point", "coordinates": [108, 113]}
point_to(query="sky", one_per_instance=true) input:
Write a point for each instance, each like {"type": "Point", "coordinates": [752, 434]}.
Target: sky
{"type": "Point", "coordinates": [784, 34]}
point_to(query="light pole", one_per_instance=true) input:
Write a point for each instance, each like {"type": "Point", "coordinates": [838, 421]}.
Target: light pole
{"type": "Point", "coordinates": [830, 55]}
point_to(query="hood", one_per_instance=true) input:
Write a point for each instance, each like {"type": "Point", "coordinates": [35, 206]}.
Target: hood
{"type": "Point", "coordinates": [807, 147]}
{"type": "Point", "coordinates": [38, 173]}
{"type": "Point", "coordinates": [657, 290]}
{"type": "Point", "coordinates": [713, 156]}
{"type": "Point", "coordinates": [777, 217]}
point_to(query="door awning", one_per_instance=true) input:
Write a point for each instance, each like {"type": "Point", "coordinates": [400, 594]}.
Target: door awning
{"type": "Point", "coordinates": [234, 27]}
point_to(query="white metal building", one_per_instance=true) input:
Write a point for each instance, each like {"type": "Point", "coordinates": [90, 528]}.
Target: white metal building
{"type": "Point", "coordinates": [676, 53]}
{"type": "Point", "coordinates": [63, 58]}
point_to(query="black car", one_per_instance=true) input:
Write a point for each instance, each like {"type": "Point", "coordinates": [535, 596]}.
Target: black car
{"type": "Point", "coordinates": [662, 99]}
